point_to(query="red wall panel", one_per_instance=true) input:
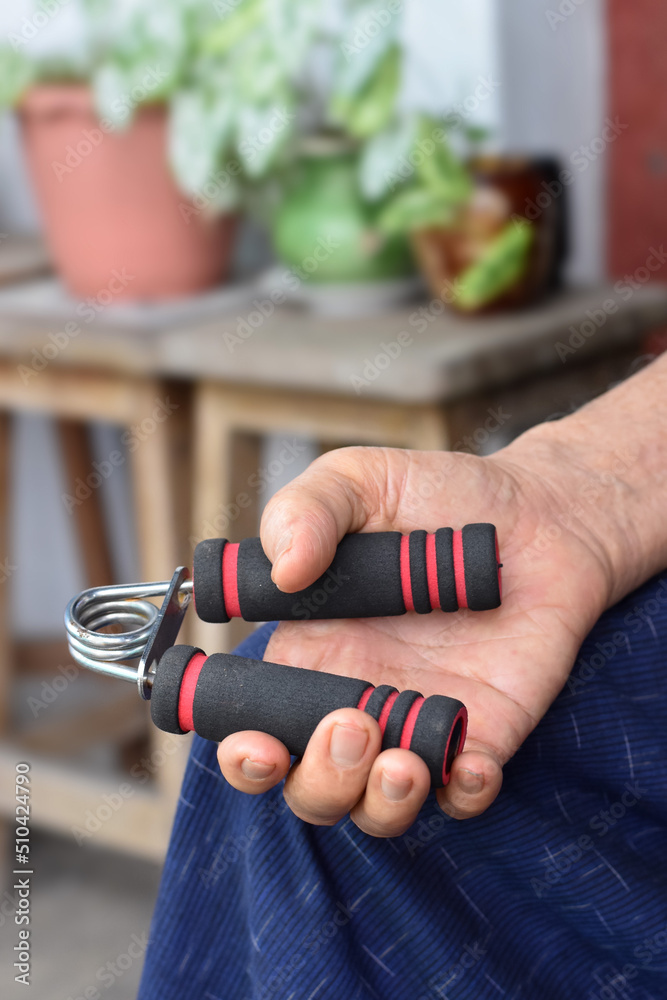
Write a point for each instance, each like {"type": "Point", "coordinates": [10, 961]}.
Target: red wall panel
{"type": "Point", "coordinates": [637, 186]}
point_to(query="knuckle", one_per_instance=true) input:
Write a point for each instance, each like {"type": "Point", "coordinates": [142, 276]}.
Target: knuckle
{"type": "Point", "coordinates": [456, 812]}
{"type": "Point", "coordinates": [307, 800]}
{"type": "Point", "coordinates": [317, 804]}
{"type": "Point", "coordinates": [315, 815]}
{"type": "Point", "coordinates": [380, 828]}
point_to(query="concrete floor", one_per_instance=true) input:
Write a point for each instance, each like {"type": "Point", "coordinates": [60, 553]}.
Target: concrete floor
{"type": "Point", "coordinates": [88, 907]}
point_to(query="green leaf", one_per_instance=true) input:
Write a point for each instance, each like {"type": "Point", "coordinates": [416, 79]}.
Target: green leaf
{"type": "Point", "coordinates": [235, 26]}
{"type": "Point", "coordinates": [17, 72]}
{"type": "Point", "coordinates": [500, 266]}
{"type": "Point", "coordinates": [370, 111]}
{"type": "Point", "coordinates": [263, 132]}
{"type": "Point", "coordinates": [384, 163]}
{"type": "Point", "coordinates": [110, 90]}
{"type": "Point", "coordinates": [437, 167]}
{"type": "Point", "coordinates": [415, 208]}
{"type": "Point", "coordinates": [476, 133]}
{"type": "Point", "coordinates": [364, 40]}
{"type": "Point", "coordinates": [198, 133]}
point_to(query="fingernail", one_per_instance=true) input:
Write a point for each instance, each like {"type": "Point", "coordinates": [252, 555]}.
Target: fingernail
{"type": "Point", "coordinates": [284, 545]}
{"type": "Point", "coordinates": [394, 789]}
{"type": "Point", "coordinates": [256, 769]}
{"type": "Point", "coordinates": [470, 781]}
{"type": "Point", "coordinates": [347, 745]}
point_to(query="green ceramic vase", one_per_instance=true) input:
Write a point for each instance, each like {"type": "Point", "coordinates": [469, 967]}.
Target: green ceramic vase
{"type": "Point", "coordinates": [324, 230]}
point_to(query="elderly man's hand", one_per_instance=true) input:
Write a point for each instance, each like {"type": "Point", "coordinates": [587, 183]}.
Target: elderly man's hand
{"type": "Point", "coordinates": [506, 665]}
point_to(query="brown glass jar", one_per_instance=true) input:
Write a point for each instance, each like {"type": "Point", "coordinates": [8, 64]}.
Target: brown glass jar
{"type": "Point", "coordinates": [507, 191]}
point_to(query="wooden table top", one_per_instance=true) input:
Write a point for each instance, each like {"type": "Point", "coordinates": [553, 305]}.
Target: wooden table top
{"type": "Point", "coordinates": [417, 353]}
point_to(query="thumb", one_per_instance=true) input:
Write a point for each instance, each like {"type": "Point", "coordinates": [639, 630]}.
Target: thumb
{"type": "Point", "coordinates": [304, 522]}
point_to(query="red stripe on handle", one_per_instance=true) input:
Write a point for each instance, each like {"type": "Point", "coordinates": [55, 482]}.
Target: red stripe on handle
{"type": "Point", "coordinates": [363, 701]}
{"type": "Point", "coordinates": [409, 724]}
{"type": "Point", "coordinates": [459, 569]}
{"type": "Point", "coordinates": [432, 573]}
{"type": "Point", "coordinates": [386, 709]}
{"type": "Point", "coordinates": [406, 581]}
{"type": "Point", "coordinates": [462, 717]}
{"type": "Point", "coordinates": [187, 694]}
{"type": "Point", "coordinates": [230, 580]}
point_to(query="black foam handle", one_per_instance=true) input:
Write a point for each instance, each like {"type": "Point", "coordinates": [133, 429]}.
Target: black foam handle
{"type": "Point", "coordinates": [373, 574]}
{"type": "Point", "coordinates": [223, 694]}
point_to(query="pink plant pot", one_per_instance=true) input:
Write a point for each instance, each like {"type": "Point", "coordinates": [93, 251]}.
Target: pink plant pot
{"type": "Point", "coordinates": [113, 217]}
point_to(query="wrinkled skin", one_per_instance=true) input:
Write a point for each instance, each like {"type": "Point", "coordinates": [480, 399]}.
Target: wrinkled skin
{"type": "Point", "coordinates": [506, 665]}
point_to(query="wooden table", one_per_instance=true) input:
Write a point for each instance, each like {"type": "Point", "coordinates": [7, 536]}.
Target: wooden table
{"type": "Point", "coordinates": [410, 379]}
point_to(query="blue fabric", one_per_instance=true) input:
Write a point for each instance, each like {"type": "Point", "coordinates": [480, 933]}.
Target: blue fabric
{"type": "Point", "coordinates": [558, 891]}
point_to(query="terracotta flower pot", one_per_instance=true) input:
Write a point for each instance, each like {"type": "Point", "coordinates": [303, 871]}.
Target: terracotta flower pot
{"type": "Point", "coordinates": [110, 205]}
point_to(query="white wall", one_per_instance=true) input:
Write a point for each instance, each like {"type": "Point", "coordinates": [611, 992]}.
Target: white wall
{"type": "Point", "coordinates": [452, 45]}
{"type": "Point", "coordinates": [553, 94]}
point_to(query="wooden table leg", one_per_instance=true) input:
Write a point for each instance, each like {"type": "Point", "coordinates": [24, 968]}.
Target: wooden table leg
{"type": "Point", "coordinates": [429, 429]}
{"type": "Point", "coordinates": [88, 516]}
{"type": "Point", "coordinates": [155, 418]}
{"type": "Point", "coordinates": [6, 658]}
{"type": "Point", "coordinates": [224, 504]}
{"type": "Point", "coordinates": [6, 568]}
{"type": "Point", "coordinates": [161, 477]}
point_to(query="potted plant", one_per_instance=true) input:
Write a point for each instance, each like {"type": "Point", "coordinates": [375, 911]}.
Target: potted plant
{"type": "Point", "coordinates": [379, 178]}
{"type": "Point", "coordinates": [140, 148]}
{"type": "Point", "coordinates": [322, 226]}
{"type": "Point", "coordinates": [465, 215]}
{"type": "Point", "coordinates": [183, 112]}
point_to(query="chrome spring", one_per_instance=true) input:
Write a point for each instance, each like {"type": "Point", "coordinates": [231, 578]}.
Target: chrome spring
{"type": "Point", "coordinates": [125, 605]}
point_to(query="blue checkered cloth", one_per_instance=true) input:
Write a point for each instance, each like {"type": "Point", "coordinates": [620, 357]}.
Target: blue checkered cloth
{"type": "Point", "coordinates": [558, 891]}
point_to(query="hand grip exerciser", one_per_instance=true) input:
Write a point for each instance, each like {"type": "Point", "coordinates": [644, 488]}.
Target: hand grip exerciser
{"type": "Point", "coordinates": [223, 694]}
{"type": "Point", "coordinates": [371, 575]}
